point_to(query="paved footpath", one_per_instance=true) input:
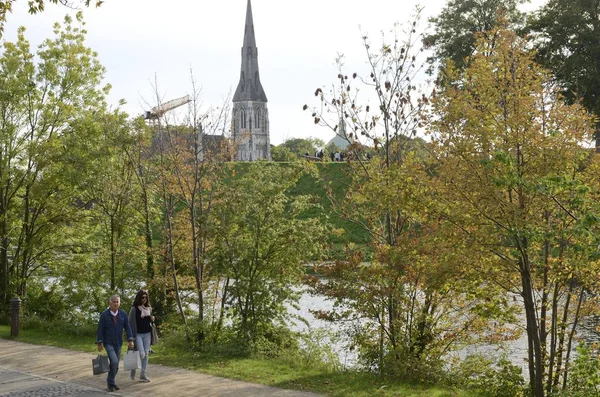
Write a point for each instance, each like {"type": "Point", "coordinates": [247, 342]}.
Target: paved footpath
{"type": "Point", "coordinates": [43, 371]}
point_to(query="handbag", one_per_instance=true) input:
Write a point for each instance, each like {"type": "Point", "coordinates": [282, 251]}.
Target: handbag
{"type": "Point", "coordinates": [153, 334]}
{"type": "Point", "coordinates": [100, 365]}
{"type": "Point", "coordinates": [132, 360]}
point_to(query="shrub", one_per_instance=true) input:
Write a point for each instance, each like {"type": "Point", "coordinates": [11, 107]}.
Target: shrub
{"type": "Point", "coordinates": [34, 322]}
{"type": "Point", "coordinates": [494, 379]}
{"type": "Point", "coordinates": [45, 303]}
{"type": "Point", "coordinates": [584, 377]}
{"type": "Point", "coordinates": [316, 350]}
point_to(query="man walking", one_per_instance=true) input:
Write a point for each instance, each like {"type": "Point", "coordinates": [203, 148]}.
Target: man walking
{"type": "Point", "coordinates": [110, 336]}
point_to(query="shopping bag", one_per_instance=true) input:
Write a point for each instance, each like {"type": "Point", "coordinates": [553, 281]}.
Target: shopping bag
{"type": "Point", "coordinates": [100, 365]}
{"type": "Point", "coordinates": [132, 360]}
{"type": "Point", "coordinates": [154, 334]}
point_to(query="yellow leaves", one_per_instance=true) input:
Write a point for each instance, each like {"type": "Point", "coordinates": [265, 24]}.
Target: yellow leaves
{"type": "Point", "coordinates": [337, 232]}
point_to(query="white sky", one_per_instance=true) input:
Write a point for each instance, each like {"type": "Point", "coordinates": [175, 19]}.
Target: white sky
{"type": "Point", "coordinates": [297, 42]}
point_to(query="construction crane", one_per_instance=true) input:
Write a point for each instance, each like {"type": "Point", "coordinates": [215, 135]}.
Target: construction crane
{"type": "Point", "coordinates": [158, 111]}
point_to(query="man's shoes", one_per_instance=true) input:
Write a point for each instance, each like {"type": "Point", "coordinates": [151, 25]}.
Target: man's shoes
{"type": "Point", "coordinates": [144, 378]}
{"type": "Point", "coordinates": [116, 387]}
{"type": "Point", "coordinates": [110, 388]}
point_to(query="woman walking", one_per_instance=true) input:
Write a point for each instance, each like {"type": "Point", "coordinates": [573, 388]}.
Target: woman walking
{"type": "Point", "coordinates": [140, 317]}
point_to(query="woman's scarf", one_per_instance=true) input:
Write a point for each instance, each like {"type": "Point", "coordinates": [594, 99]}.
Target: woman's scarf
{"type": "Point", "coordinates": [146, 311]}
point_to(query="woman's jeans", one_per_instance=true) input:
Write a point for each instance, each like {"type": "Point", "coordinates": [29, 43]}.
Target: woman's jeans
{"type": "Point", "coordinates": [114, 355]}
{"type": "Point", "coordinates": [142, 343]}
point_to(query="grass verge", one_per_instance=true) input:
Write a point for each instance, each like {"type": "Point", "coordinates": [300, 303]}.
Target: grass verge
{"type": "Point", "coordinates": [272, 372]}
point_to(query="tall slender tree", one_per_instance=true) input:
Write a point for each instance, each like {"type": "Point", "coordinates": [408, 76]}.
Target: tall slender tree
{"type": "Point", "coordinates": [566, 34]}
{"type": "Point", "coordinates": [198, 168]}
{"type": "Point", "coordinates": [403, 292]}
{"type": "Point", "coordinates": [511, 156]}
{"type": "Point", "coordinates": [36, 6]}
{"type": "Point", "coordinates": [262, 242]}
{"type": "Point", "coordinates": [456, 27]}
{"type": "Point", "coordinates": [42, 99]}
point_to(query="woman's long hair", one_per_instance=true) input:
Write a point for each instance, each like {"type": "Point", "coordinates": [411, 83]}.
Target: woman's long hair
{"type": "Point", "coordinates": [138, 298]}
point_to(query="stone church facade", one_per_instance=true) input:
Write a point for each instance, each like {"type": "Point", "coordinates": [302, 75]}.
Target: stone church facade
{"type": "Point", "coordinates": [250, 119]}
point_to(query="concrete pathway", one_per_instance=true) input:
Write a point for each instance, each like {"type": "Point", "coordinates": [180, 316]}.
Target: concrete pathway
{"type": "Point", "coordinates": [43, 371]}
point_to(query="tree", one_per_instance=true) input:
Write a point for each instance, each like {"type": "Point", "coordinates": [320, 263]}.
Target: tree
{"type": "Point", "coordinates": [110, 188]}
{"type": "Point", "coordinates": [301, 146]}
{"type": "Point", "coordinates": [42, 99]}
{"type": "Point", "coordinates": [139, 154]}
{"type": "Point", "coordinates": [566, 36]}
{"type": "Point", "coordinates": [166, 143]}
{"type": "Point", "coordinates": [282, 153]}
{"type": "Point", "coordinates": [406, 291]}
{"type": "Point", "coordinates": [36, 6]}
{"type": "Point", "coordinates": [511, 161]}
{"type": "Point", "coordinates": [262, 242]}
{"type": "Point", "coordinates": [456, 27]}
{"type": "Point", "coordinates": [331, 148]}
{"type": "Point", "coordinates": [197, 170]}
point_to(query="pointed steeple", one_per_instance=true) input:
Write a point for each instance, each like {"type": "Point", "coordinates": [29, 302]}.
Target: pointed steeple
{"type": "Point", "coordinates": [249, 39]}
{"type": "Point", "coordinates": [249, 87]}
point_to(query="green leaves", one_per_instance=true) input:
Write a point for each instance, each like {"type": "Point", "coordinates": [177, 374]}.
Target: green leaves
{"type": "Point", "coordinates": [262, 242]}
{"type": "Point", "coordinates": [48, 136]}
{"type": "Point", "coordinates": [461, 22]}
{"type": "Point", "coordinates": [37, 6]}
{"type": "Point", "coordinates": [518, 177]}
{"type": "Point", "coordinates": [566, 34]}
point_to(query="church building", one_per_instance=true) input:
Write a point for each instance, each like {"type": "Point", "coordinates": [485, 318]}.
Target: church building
{"type": "Point", "coordinates": [250, 122]}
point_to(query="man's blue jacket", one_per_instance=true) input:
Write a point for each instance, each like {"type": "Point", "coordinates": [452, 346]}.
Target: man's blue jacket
{"type": "Point", "coordinates": [110, 333]}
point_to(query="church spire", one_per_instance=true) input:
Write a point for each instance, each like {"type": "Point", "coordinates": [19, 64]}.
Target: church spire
{"type": "Point", "coordinates": [249, 87]}
{"type": "Point", "coordinates": [249, 39]}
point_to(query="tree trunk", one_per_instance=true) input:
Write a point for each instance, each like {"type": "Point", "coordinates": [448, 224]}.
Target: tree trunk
{"type": "Point", "coordinates": [198, 264]}
{"type": "Point", "coordinates": [112, 253]}
{"type": "Point", "coordinates": [223, 302]}
{"type": "Point", "coordinates": [597, 135]}
{"type": "Point", "coordinates": [4, 276]}
{"type": "Point", "coordinates": [574, 327]}
{"type": "Point", "coordinates": [171, 256]}
{"type": "Point", "coordinates": [532, 328]}
{"type": "Point", "coordinates": [148, 234]}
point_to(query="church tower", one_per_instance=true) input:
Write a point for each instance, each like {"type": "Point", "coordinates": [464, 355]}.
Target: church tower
{"type": "Point", "coordinates": [250, 115]}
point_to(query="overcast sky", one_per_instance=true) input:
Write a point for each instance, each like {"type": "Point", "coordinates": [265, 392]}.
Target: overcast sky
{"type": "Point", "coordinates": [297, 42]}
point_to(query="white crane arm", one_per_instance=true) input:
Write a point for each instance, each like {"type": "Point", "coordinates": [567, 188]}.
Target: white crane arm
{"type": "Point", "coordinates": [158, 111]}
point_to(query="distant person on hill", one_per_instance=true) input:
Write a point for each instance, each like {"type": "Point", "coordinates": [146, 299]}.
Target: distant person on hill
{"type": "Point", "coordinates": [140, 318]}
{"type": "Point", "coordinates": [109, 336]}
{"type": "Point", "coordinates": [332, 155]}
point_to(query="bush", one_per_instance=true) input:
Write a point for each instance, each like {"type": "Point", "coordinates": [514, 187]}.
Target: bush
{"type": "Point", "coordinates": [61, 326]}
{"type": "Point", "coordinates": [316, 350]}
{"type": "Point", "coordinates": [225, 342]}
{"type": "Point", "coordinates": [423, 370]}
{"type": "Point", "coordinates": [278, 343]}
{"type": "Point", "coordinates": [584, 377]}
{"type": "Point", "coordinates": [494, 379]}
{"type": "Point", "coordinates": [4, 317]}
{"type": "Point", "coordinates": [273, 342]}
{"type": "Point", "coordinates": [44, 303]}
{"type": "Point", "coordinates": [401, 364]}
{"type": "Point", "coordinates": [54, 307]}
{"type": "Point", "coordinates": [34, 322]}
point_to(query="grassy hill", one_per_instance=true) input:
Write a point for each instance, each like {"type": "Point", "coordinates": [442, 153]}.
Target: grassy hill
{"type": "Point", "coordinates": [330, 176]}
{"type": "Point", "coordinates": [333, 176]}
